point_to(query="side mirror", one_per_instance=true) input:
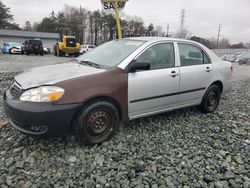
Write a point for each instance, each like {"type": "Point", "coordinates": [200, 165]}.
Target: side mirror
{"type": "Point", "coordinates": [139, 66]}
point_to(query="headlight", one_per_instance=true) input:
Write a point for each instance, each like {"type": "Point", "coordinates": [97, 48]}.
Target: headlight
{"type": "Point", "coordinates": [43, 94]}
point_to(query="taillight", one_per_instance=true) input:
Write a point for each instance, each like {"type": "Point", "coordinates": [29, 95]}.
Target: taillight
{"type": "Point", "coordinates": [231, 68]}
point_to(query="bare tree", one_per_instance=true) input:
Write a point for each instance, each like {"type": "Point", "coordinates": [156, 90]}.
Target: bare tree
{"type": "Point", "coordinates": [27, 26]}
{"type": "Point", "coordinates": [158, 30]}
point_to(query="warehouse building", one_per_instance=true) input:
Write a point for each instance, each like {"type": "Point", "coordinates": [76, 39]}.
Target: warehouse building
{"type": "Point", "coordinates": [48, 39]}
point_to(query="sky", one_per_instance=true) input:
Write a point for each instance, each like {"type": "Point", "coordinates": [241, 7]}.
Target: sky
{"type": "Point", "coordinates": [202, 16]}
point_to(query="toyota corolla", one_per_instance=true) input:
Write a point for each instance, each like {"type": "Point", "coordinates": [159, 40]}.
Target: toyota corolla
{"type": "Point", "coordinates": [116, 82]}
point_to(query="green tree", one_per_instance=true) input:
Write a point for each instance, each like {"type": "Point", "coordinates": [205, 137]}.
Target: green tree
{"type": "Point", "coordinates": [48, 24]}
{"type": "Point", "coordinates": [6, 18]}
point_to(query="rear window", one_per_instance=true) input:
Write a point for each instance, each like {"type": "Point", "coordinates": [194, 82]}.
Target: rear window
{"type": "Point", "coordinates": [192, 55]}
{"type": "Point", "coordinates": [35, 42]}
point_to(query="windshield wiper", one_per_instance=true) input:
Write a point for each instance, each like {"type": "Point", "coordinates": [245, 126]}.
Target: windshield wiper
{"type": "Point", "coordinates": [90, 63]}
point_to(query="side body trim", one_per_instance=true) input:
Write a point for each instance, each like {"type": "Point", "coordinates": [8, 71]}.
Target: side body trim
{"type": "Point", "coordinates": [167, 95]}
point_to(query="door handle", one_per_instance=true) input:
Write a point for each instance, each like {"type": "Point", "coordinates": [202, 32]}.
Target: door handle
{"type": "Point", "coordinates": [208, 69]}
{"type": "Point", "coordinates": [174, 74]}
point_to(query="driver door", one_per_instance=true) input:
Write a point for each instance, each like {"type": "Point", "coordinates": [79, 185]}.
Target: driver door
{"type": "Point", "coordinates": [155, 90]}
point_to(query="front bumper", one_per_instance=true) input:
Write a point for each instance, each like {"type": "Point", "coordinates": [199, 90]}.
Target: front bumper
{"type": "Point", "coordinates": [70, 50]}
{"type": "Point", "coordinates": [39, 119]}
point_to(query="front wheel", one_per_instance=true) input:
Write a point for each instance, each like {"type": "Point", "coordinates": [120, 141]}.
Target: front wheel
{"type": "Point", "coordinates": [211, 99]}
{"type": "Point", "coordinates": [76, 54]}
{"type": "Point", "coordinates": [97, 122]}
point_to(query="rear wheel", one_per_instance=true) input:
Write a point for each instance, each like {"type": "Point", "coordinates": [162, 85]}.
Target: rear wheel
{"type": "Point", "coordinates": [97, 122]}
{"type": "Point", "coordinates": [55, 50]}
{"type": "Point", "coordinates": [59, 52]}
{"type": "Point", "coordinates": [211, 99]}
{"type": "Point", "coordinates": [76, 54]}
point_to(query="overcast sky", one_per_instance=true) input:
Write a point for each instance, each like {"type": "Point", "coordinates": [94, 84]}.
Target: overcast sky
{"type": "Point", "coordinates": [202, 16]}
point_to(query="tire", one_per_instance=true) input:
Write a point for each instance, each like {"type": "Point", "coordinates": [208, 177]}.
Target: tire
{"type": "Point", "coordinates": [97, 122]}
{"type": "Point", "coordinates": [59, 52]}
{"type": "Point", "coordinates": [76, 54]}
{"type": "Point", "coordinates": [10, 51]}
{"type": "Point", "coordinates": [211, 99]}
{"type": "Point", "coordinates": [55, 50]}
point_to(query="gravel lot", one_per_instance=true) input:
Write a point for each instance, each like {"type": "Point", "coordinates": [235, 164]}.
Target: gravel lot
{"type": "Point", "coordinates": [184, 148]}
{"type": "Point", "coordinates": [23, 62]}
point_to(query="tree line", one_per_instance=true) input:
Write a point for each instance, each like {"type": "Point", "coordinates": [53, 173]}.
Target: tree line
{"type": "Point", "coordinates": [97, 27]}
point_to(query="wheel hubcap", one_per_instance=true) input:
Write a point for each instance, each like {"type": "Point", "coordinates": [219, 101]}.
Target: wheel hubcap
{"type": "Point", "coordinates": [98, 122]}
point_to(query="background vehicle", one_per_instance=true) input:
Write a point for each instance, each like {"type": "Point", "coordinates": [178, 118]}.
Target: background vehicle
{"type": "Point", "coordinates": [244, 59]}
{"type": "Point", "coordinates": [33, 47]}
{"type": "Point", "coordinates": [232, 58]}
{"type": "Point", "coordinates": [11, 47]}
{"type": "Point", "coordinates": [67, 45]}
{"type": "Point", "coordinates": [46, 51]}
{"type": "Point", "coordinates": [86, 48]}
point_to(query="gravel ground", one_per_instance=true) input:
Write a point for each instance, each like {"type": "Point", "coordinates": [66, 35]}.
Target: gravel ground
{"type": "Point", "coordinates": [184, 148]}
{"type": "Point", "coordinates": [23, 62]}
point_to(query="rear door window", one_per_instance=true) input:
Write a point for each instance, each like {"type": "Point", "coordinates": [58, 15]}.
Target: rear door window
{"type": "Point", "coordinates": [192, 55]}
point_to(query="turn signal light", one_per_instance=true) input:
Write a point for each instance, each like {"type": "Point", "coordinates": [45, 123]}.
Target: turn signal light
{"type": "Point", "coordinates": [55, 96]}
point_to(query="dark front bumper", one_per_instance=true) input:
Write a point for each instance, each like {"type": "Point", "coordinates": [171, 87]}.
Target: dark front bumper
{"type": "Point", "coordinates": [39, 119]}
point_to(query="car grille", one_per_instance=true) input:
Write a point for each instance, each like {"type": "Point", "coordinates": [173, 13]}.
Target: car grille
{"type": "Point", "coordinates": [15, 89]}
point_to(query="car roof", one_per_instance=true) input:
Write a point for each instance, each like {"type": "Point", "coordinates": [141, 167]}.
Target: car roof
{"type": "Point", "coordinates": [157, 39]}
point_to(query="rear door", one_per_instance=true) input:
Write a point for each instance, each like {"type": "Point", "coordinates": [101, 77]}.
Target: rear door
{"type": "Point", "coordinates": [196, 72]}
{"type": "Point", "coordinates": [154, 90]}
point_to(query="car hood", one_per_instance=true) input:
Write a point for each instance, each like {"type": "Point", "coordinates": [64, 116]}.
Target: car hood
{"type": "Point", "coordinates": [52, 74]}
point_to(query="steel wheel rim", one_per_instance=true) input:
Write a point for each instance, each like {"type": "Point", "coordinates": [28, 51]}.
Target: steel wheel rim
{"type": "Point", "coordinates": [99, 123]}
{"type": "Point", "coordinates": [212, 100]}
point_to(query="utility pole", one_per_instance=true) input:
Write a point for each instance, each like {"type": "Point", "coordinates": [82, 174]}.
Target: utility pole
{"type": "Point", "coordinates": [167, 30]}
{"type": "Point", "coordinates": [183, 12]}
{"type": "Point", "coordinates": [117, 17]}
{"type": "Point", "coordinates": [218, 37]}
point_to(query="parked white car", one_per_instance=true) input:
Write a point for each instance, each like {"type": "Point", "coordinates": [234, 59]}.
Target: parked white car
{"type": "Point", "coordinates": [118, 81]}
{"type": "Point", "coordinates": [11, 48]}
{"type": "Point", "coordinates": [86, 48]}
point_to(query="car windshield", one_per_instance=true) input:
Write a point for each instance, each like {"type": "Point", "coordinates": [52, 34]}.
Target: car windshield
{"type": "Point", "coordinates": [111, 53]}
